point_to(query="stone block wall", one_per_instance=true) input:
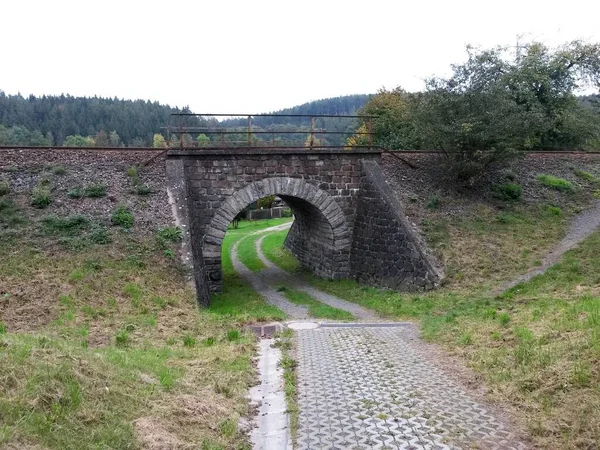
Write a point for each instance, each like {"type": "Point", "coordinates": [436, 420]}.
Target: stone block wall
{"type": "Point", "coordinates": [385, 251]}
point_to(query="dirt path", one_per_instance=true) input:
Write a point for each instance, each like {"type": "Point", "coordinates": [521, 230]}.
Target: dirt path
{"type": "Point", "coordinates": [272, 272]}
{"type": "Point", "coordinates": [581, 227]}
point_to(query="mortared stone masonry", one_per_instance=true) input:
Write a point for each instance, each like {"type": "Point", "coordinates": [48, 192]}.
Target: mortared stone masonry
{"type": "Point", "coordinates": [348, 222]}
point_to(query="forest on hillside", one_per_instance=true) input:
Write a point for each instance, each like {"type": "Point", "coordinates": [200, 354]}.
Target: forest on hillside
{"type": "Point", "coordinates": [112, 122]}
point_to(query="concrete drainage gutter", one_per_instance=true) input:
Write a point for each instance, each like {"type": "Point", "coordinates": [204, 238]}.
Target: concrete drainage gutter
{"type": "Point", "coordinates": [272, 425]}
{"type": "Point", "coordinates": [271, 429]}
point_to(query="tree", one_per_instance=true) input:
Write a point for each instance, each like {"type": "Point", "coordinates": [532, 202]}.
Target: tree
{"type": "Point", "coordinates": [158, 141]}
{"type": "Point", "coordinates": [113, 139]}
{"type": "Point", "coordinates": [203, 140]}
{"type": "Point", "coordinates": [497, 103]}
{"type": "Point", "coordinates": [79, 141]}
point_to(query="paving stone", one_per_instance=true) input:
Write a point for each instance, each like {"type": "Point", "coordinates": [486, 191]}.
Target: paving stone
{"type": "Point", "coordinates": [372, 388]}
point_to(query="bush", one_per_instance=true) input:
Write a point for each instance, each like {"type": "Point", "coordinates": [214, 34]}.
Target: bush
{"type": "Point", "coordinates": [132, 172]}
{"type": "Point", "coordinates": [171, 234]}
{"type": "Point", "coordinates": [142, 189]}
{"type": "Point", "coordinates": [67, 226]}
{"type": "Point", "coordinates": [58, 170]}
{"type": "Point", "coordinates": [95, 190]}
{"type": "Point", "coordinates": [507, 191]}
{"type": "Point", "coordinates": [10, 215]}
{"type": "Point", "coordinates": [585, 175]}
{"type": "Point", "coordinates": [122, 217]}
{"type": "Point", "coordinates": [560, 184]}
{"type": "Point", "coordinates": [434, 202]}
{"type": "Point", "coordinates": [286, 213]}
{"type": "Point", "coordinates": [76, 192]}
{"type": "Point", "coordinates": [4, 187]}
{"type": "Point", "coordinates": [40, 196]}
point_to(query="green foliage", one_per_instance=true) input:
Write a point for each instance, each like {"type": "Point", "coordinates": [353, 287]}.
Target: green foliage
{"type": "Point", "coordinates": [265, 202]}
{"type": "Point", "coordinates": [41, 196]}
{"type": "Point", "coordinates": [95, 190]}
{"type": "Point", "coordinates": [203, 140]}
{"type": "Point", "coordinates": [142, 189]}
{"type": "Point", "coordinates": [79, 141]}
{"type": "Point", "coordinates": [494, 105]}
{"type": "Point", "coordinates": [560, 184]}
{"type": "Point", "coordinates": [170, 234]}
{"type": "Point", "coordinates": [67, 226]}
{"type": "Point", "coordinates": [286, 213]}
{"type": "Point", "coordinates": [122, 217]}
{"type": "Point", "coordinates": [10, 214]}
{"type": "Point", "coordinates": [132, 172]}
{"type": "Point", "coordinates": [434, 202]}
{"type": "Point", "coordinates": [507, 191]}
{"type": "Point", "coordinates": [585, 175]}
{"type": "Point", "coordinates": [158, 141]}
{"type": "Point", "coordinates": [58, 170]}
{"type": "Point", "coordinates": [4, 187]}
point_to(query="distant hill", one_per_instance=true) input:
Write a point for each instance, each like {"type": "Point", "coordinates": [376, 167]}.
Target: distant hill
{"type": "Point", "coordinates": [345, 105]}
{"type": "Point", "coordinates": [50, 120]}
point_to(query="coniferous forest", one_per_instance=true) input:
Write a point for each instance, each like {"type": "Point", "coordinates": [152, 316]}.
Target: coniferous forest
{"type": "Point", "coordinates": [113, 122]}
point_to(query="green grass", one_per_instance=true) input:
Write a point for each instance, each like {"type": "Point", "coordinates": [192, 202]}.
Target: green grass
{"type": "Point", "coordinates": [117, 337]}
{"type": "Point", "coordinates": [122, 217]}
{"type": "Point", "coordinates": [247, 253]}
{"type": "Point", "coordinates": [41, 196]}
{"type": "Point", "coordinates": [537, 346]}
{"type": "Point", "coordinates": [560, 184]}
{"type": "Point", "coordinates": [316, 309]}
{"type": "Point", "coordinates": [238, 299]}
{"type": "Point", "coordinates": [4, 187]}
{"type": "Point", "coordinates": [272, 247]}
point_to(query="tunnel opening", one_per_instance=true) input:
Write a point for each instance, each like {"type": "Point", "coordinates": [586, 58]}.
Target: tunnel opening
{"type": "Point", "coordinates": [319, 237]}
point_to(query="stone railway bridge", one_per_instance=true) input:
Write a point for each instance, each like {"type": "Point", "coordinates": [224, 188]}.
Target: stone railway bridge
{"type": "Point", "coordinates": [348, 222]}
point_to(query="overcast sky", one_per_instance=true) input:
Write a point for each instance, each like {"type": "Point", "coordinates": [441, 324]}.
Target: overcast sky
{"type": "Point", "coordinates": [257, 56]}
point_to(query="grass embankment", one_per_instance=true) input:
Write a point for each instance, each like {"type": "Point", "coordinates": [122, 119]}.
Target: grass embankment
{"type": "Point", "coordinates": [102, 344]}
{"type": "Point", "coordinates": [537, 346]}
{"type": "Point", "coordinates": [272, 247]}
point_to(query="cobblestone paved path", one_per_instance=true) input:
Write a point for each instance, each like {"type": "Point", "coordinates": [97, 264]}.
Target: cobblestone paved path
{"type": "Point", "coordinates": [372, 388]}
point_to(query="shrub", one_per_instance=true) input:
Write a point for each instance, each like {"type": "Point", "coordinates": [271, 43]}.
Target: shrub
{"type": "Point", "coordinates": [584, 175]}
{"type": "Point", "coordinates": [4, 187]}
{"type": "Point", "coordinates": [122, 338]}
{"type": "Point", "coordinates": [171, 234]}
{"type": "Point", "coordinates": [100, 235]}
{"type": "Point", "coordinates": [507, 191]}
{"type": "Point", "coordinates": [122, 217]}
{"type": "Point", "coordinates": [554, 210]}
{"type": "Point", "coordinates": [434, 202]}
{"type": "Point", "coordinates": [189, 341]}
{"type": "Point", "coordinates": [132, 172]}
{"type": "Point", "coordinates": [67, 226]}
{"type": "Point", "coordinates": [76, 192]}
{"type": "Point", "coordinates": [286, 213]}
{"type": "Point", "coordinates": [560, 184]}
{"type": "Point", "coordinates": [58, 170]}
{"type": "Point", "coordinates": [95, 190]}
{"type": "Point", "coordinates": [40, 196]}
{"type": "Point", "coordinates": [142, 189]}
{"type": "Point", "coordinates": [10, 214]}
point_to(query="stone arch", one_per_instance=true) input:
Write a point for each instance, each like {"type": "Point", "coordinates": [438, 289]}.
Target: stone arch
{"type": "Point", "coordinates": [319, 219]}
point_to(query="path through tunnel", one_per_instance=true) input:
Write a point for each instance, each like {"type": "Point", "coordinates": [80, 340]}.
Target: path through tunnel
{"type": "Point", "coordinates": [319, 237]}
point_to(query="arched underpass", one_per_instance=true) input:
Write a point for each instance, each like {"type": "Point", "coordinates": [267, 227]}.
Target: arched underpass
{"type": "Point", "coordinates": [319, 237]}
{"type": "Point", "coordinates": [348, 221]}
